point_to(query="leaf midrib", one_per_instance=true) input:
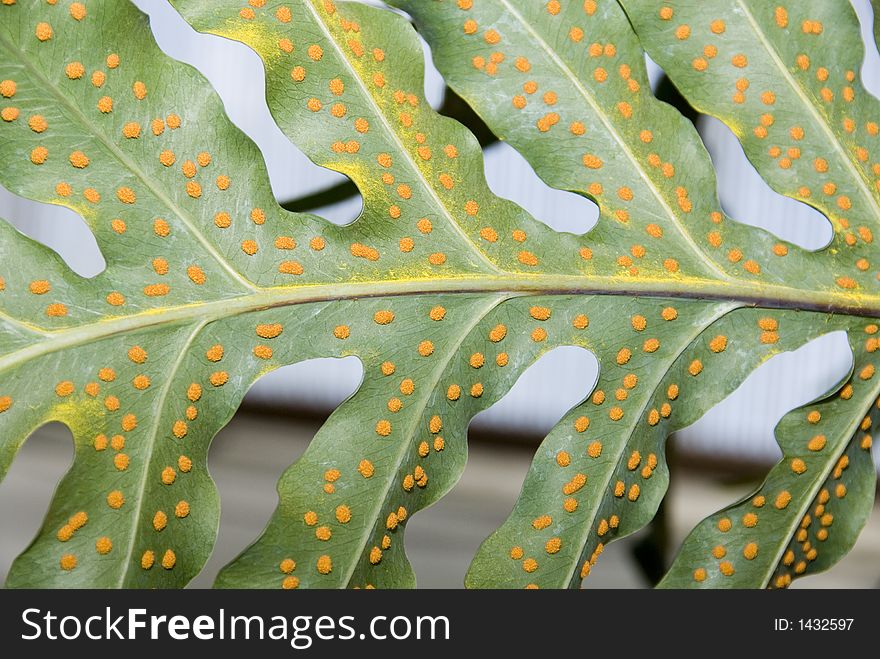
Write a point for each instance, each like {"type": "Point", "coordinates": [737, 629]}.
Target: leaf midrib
{"type": "Point", "coordinates": [859, 178]}
{"type": "Point", "coordinates": [389, 130]}
{"type": "Point", "coordinates": [746, 294]}
{"type": "Point", "coordinates": [127, 162]}
{"type": "Point", "coordinates": [611, 130]}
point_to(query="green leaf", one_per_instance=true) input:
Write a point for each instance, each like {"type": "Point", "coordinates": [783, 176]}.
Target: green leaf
{"type": "Point", "coordinates": [794, 526]}
{"type": "Point", "coordinates": [569, 89]}
{"type": "Point", "coordinates": [778, 78]}
{"type": "Point", "coordinates": [808, 125]}
{"type": "Point", "coordinates": [623, 458]}
{"type": "Point", "coordinates": [445, 292]}
{"type": "Point", "coordinates": [874, 9]}
{"type": "Point", "coordinates": [541, 75]}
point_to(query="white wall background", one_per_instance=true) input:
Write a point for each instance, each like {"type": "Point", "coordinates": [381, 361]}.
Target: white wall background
{"type": "Point", "coordinates": [742, 425]}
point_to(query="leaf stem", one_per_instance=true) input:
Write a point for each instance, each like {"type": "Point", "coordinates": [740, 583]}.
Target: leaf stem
{"type": "Point", "coordinates": [741, 294]}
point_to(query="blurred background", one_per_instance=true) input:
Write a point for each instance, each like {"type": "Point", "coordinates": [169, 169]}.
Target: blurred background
{"type": "Point", "coordinates": [714, 462]}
